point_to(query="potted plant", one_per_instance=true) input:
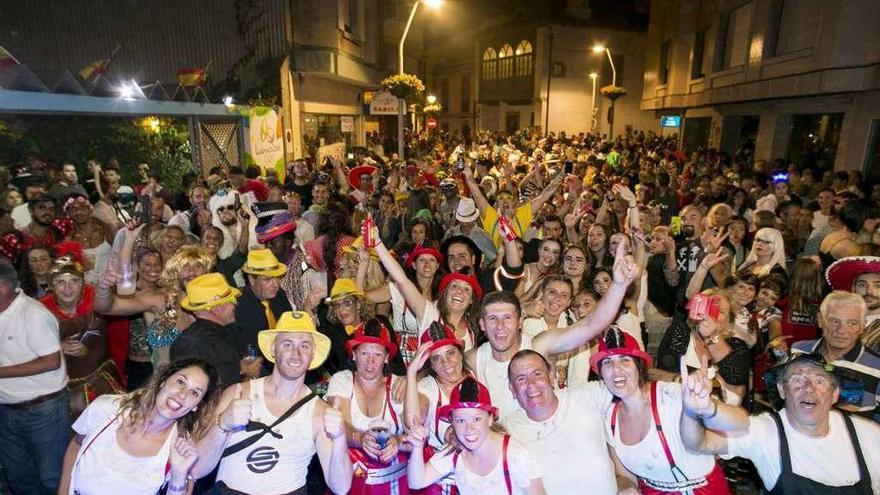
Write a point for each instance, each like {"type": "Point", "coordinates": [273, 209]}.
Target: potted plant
{"type": "Point", "coordinates": [612, 92]}
{"type": "Point", "coordinates": [405, 86]}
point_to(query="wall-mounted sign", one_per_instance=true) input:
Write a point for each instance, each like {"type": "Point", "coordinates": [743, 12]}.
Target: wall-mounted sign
{"type": "Point", "coordinates": [383, 103]}
{"type": "Point", "coordinates": [670, 121]}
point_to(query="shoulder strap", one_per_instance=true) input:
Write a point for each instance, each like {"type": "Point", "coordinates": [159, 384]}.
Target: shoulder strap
{"type": "Point", "coordinates": [784, 454]}
{"type": "Point", "coordinates": [263, 429]}
{"type": "Point", "coordinates": [505, 465]}
{"type": "Point", "coordinates": [865, 475]}
{"type": "Point", "coordinates": [614, 416]}
{"type": "Point", "coordinates": [655, 414]}
{"type": "Point", "coordinates": [388, 401]}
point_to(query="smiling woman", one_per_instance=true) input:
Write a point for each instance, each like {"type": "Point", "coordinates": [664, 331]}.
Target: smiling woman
{"type": "Point", "coordinates": [138, 443]}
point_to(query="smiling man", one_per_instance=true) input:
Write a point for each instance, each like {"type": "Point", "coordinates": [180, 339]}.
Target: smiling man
{"type": "Point", "coordinates": [269, 428]}
{"type": "Point", "coordinates": [805, 448]}
{"type": "Point", "coordinates": [562, 428]}
{"type": "Point", "coordinates": [842, 318]}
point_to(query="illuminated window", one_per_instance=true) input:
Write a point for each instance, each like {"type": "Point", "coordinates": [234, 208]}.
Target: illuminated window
{"type": "Point", "coordinates": [505, 62]}
{"type": "Point", "coordinates": [490, 64]}
{"type": "Point", "coordinates": [523, 55]}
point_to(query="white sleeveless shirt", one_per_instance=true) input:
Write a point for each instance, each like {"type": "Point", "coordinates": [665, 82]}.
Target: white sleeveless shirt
{"type": "Point", "coordinates": [271, 465]}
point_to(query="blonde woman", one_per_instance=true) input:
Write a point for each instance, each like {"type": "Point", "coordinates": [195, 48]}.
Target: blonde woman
{"type": "Point", "coordinates": [767, 255]}
{"type": "Point", "coordinates": [161, 307]}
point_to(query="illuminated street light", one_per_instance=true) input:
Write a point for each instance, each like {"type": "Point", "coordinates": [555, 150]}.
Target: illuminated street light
{"type": "Point", "coordinates": [602, 48]}
{"type": "Point", "coordinates": [228, 101]}
{"type": "Point", "coordinates": [126, 92]}
{"type": "Point", "coordinates": [400, 105]}
{"type": "Point", "coordinates": [431, 99]}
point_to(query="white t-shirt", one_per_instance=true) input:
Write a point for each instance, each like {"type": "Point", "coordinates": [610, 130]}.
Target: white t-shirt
{"type": "Point", "coordinates": [573, 436]}
{"type": "Point", "coordinates": [521, 465]}
{"type": "Point", "coordinates": [570, 368]}
{"type": "Point", "coordinates": [104, 467]}
{"type": "Point", "coordinates": [27, 331]}
{"type": "Point", "coordinates": [493, 374]}
{"type": "Point", "coordinates": [830, 460]}
{"type": "Point", "coordinates": [647, 459]}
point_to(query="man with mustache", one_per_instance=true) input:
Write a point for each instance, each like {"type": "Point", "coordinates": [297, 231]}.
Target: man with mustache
{"type": "Point", "coordinates": [861, 274]}
{"type": "Point", "coordinates": [44, 230]}
{"type": "Point", "coordinates": [842, 319]}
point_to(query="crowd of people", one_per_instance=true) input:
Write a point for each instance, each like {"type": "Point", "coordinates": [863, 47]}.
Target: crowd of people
{"type": "Point", "coordinates": [495, 314]}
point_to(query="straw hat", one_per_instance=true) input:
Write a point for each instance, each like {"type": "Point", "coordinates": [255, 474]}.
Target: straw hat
{"type": "Point", "coordinates": [295, 322]}
{"type": "Point", "coordinates": [263, 262]}
{"type": "Point", "coordinates": [207, 291]}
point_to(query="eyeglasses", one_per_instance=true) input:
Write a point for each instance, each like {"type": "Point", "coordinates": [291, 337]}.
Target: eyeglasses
{"type": "Point", "coordinates": [345, 303]}
{"type": "Point", "coordinates": [800, 380]}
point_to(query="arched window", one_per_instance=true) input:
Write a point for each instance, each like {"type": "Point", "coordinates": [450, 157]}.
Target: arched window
{"type": "Point", "coordinates": [490, 64]}
{"type": "Point", "coordinates": [505, 61]}
{"type": "Point", "coordinates": [523, 59]}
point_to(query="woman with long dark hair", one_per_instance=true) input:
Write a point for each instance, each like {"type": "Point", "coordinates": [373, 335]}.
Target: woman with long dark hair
{"type": "Point", "coordinates": [139, 442]}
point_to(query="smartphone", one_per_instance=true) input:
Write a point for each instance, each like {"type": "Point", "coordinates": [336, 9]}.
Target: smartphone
{"type": "Point", "coordinates": [237, 203]}
{"type": "Point", "coordinates": [459, 164]}
{"type": "Point", "coordinates": [569, 167]}
{"type": "Point", "coordinates": [351, 156]}
{"type": "Point", "coordinates": [701, 306]}
{"type": "Point", "coordinates": [641, 236]}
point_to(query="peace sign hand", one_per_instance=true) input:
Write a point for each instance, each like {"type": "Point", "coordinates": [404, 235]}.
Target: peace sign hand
{"type": "Point", "coordinates": [714, 239]}
{"type": "Point", "coordinates": [696, 388]}
{"type": "Point", "coordinates": [713, 258]}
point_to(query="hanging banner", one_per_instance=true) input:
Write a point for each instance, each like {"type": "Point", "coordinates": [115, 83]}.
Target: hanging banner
{"type": "Point", "coordinates": [265, 146]}
{"type": "Point", "coordinates": [383, 103]}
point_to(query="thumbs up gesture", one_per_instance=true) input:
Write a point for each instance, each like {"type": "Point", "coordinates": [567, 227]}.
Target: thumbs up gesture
{"type": "Point", "coordinates": [238, 413]}
{"type": "Point", "coordinates": [696, 389]}
{"type": "Point", "coordinates": [333, 425]}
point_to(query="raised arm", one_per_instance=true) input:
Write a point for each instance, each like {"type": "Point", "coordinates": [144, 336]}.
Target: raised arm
{"type": "Point", "coordinates": [709, 261]}
{"type": "Point", "coordinates": [332, 447]}
{"type": "Point", "coordinates": [625, 271]}
{"type": "Point", "coordinates": [701, 411]}
{"type": "Point", "coordinates": [411, 294]}
{"type": "Point", "coordinates": [420, 473]}
{"type": "Point", "coordinates": [474, 188]}
{"type": "Point", "coordinates": [107, 303]}
{"type": "Point", "coordinates": [415, 405]}
{"type": "Point", "coordinates": [548, 192]}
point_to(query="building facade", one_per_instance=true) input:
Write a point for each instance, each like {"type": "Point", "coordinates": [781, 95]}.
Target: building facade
{"type": "Point", "coordinates": [515, 72]}
{"type": "Point", "coordinates": [795, 79]}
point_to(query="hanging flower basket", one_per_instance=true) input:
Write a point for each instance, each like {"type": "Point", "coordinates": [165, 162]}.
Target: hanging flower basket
{"type": "Point", "coordinates": [433, 109]}
{"type": "Point", "coordinates": [612, 92]}
{"type": "Point", "coordinates": [406, 86]}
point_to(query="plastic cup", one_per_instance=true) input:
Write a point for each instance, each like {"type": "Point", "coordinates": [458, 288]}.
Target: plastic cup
{"type": "Point", "coordinates": [126, 285]}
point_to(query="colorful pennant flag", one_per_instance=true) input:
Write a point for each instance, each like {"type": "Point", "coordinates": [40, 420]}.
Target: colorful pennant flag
{"type": "Point", "coordinates": [191, 77]}
{"type": "Point", "coordinates": [6, 59]}
{"type": "Point", "coordinates": [96, 68]}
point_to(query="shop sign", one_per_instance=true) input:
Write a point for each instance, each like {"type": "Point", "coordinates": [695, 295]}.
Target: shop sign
{"type": "Point", "coordinates": [383, 103]}
{"type": "Point", "coordinates": [346, 124]}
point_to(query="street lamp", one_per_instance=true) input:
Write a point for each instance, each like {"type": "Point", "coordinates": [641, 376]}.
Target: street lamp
{"type": "Point", "coordinates": [431, 99]}
{"type": "Point", "coordinates": [401, 104]}
{"type": "Point", "coordinates": [600, 49]}
{"type": "Point", "coordinates": [593, 77]}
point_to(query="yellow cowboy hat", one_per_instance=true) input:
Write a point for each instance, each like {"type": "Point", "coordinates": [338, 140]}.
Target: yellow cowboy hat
{"type": "Point", "coordinates": [356, 245]}
{"type": "Point", "coordinates": [206, 291]}
{"type": "Point", "coordinates": [295, 322]}
{"type": "Point", "coordinates": [342, 288]}
{"type": "Point", "coordinates": [263, 262]}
